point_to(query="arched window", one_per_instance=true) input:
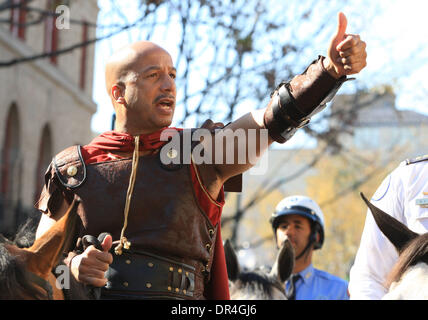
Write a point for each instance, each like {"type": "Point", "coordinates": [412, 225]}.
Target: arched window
{"type": "Point", "coordinates": [45, 156]}
{"type": "Point", "coordinates": [10, 179]}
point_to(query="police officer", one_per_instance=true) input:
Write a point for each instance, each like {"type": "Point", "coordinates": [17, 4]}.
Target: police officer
{"type": "Point", "coordinates": [301, 220]}
{"type": "Point", "coordinates": [404, 195]}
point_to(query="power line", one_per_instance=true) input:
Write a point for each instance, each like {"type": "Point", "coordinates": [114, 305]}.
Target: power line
{"type": "Point", "coordinates": [9, 4]}
{"type": "Point", "coordinates": [46, 13]}
{"type": "Point", "coordinates": [69, 48]}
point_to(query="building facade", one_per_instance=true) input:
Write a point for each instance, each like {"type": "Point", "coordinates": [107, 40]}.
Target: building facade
{"type": "Point", "coordinates": [46, 104]}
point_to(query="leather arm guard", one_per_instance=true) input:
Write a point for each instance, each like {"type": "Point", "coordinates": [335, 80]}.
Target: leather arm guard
{"type": "Point", "coordinates": [294, 103]}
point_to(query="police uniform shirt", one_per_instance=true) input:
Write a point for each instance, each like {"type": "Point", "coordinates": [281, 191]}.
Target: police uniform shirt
{"type": "Point", "coordinates": [404, 195]}
{"type": "Point", "coordinates": [315, 284]}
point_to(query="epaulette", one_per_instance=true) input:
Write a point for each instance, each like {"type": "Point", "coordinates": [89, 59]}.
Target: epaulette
{"type": "Point", "coordinates": [70, 167]}
{"type": "Point", "coordinates": [417, 159]}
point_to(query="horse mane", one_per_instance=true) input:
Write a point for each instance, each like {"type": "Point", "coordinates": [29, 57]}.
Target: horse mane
{"type": "Point", "coordinates": [415, 251]}
{"type": "Point", "coordinates": [254, 279]}
{"type": "Point", "coordinates": [26, 233]}
{"type": "Point", "coordinates": [14, 276]}
{"type": "Point", "coordinates": [14, 282]}
{"type": "Point", "coordinates": [263, 283]}
{"type": "Point", "coordinates": [255, 284]}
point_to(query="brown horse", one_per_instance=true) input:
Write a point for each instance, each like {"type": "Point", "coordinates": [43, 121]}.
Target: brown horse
{"type": "Point", "coordinates": [26, 273]}
{"type": "Point", "coordinates": [408, 279]}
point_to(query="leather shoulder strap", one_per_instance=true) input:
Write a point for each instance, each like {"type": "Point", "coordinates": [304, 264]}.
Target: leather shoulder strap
{"type": "Point", "coordinates": [70, 167]}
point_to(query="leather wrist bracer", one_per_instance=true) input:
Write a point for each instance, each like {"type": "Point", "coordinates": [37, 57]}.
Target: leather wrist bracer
{"type": "Point", "coordinates": [293, 103]}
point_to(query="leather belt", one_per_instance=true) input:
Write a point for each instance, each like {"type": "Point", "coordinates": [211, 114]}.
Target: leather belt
{"type": "Point", "coordinates": [143, 275]}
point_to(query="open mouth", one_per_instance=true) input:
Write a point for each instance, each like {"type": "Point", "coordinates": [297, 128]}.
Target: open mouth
{"type": "Point", "coordinates": [166, 106]}
{"type": "Point", "coordinates": [166, 102]}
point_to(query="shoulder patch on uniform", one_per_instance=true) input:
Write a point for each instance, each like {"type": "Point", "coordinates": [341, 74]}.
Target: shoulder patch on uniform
{"type": "Point", "coordinates": [417, 159]}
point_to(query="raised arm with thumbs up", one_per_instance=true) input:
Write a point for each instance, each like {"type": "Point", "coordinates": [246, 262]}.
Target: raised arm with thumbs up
{"type": "Point", "coordinates": [346, 54]}
{"type": "Point", "coordinates": [294, 102]}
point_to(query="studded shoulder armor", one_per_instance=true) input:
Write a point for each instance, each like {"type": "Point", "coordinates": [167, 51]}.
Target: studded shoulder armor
{"type": "Point", "coordinates": [70, 167]}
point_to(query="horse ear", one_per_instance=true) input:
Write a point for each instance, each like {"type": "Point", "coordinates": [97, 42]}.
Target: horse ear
{"type": "Point", "coordinates": [284, 264]}
{"type": "Point", "coordinates": [232, 263]}
{"type": "Point", "coordinates": [46, 251]}
{"type": "Point", "coordinates": [393, 229]}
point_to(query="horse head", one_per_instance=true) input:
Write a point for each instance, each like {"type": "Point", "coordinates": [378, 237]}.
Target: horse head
{"type": "Point", "coordinates": [259, 284]}
{"type": "Point", "coordinates": [411, 247]}
{"type": "Point", "coordinates": [26, 273]}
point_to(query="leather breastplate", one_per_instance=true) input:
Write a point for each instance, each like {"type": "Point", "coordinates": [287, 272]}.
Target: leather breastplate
{"type": "Point", "coordinates": [164, 220]}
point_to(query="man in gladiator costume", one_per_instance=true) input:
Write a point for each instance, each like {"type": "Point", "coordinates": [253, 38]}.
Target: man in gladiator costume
{"type": "Point", "coordinates": [163, 219]}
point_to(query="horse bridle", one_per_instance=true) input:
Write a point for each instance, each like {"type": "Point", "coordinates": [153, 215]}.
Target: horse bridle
{"type": "Point", "coordinates": [42, 283]}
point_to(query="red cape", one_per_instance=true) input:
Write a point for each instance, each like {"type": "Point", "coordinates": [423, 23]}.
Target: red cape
{"type": "Point", "coordinates": [99, 150]}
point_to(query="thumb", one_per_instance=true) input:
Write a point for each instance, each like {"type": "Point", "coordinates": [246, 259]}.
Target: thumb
{"type": "Point", "coordinates": [341, 27]}
{"type": "Point", "coordinates": [107, 242]}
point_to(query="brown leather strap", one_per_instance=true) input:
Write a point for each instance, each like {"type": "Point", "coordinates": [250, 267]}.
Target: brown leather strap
{"type": "Point", "coordinates": [70, 167]}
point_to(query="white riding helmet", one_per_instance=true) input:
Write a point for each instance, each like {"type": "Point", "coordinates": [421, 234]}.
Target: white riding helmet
{"type": "Point", "coordinates": [303, 206]}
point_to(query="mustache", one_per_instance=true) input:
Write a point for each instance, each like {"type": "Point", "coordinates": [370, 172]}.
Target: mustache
{"type": "Point", "coordinates": [163, 96]}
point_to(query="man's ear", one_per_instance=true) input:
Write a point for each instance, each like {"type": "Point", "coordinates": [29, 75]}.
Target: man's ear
{"type": "Point", "coordinates": [118, 93]}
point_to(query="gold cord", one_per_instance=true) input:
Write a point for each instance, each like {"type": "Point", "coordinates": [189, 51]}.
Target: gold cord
{"type": "Point", "coordinates": [124, 243]}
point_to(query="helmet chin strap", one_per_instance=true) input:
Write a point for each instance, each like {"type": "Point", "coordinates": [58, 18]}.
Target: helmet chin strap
{"type": "Point", "coordinates": [310, 243]}
{"type": "Point", "coordinates": [312, 239]}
